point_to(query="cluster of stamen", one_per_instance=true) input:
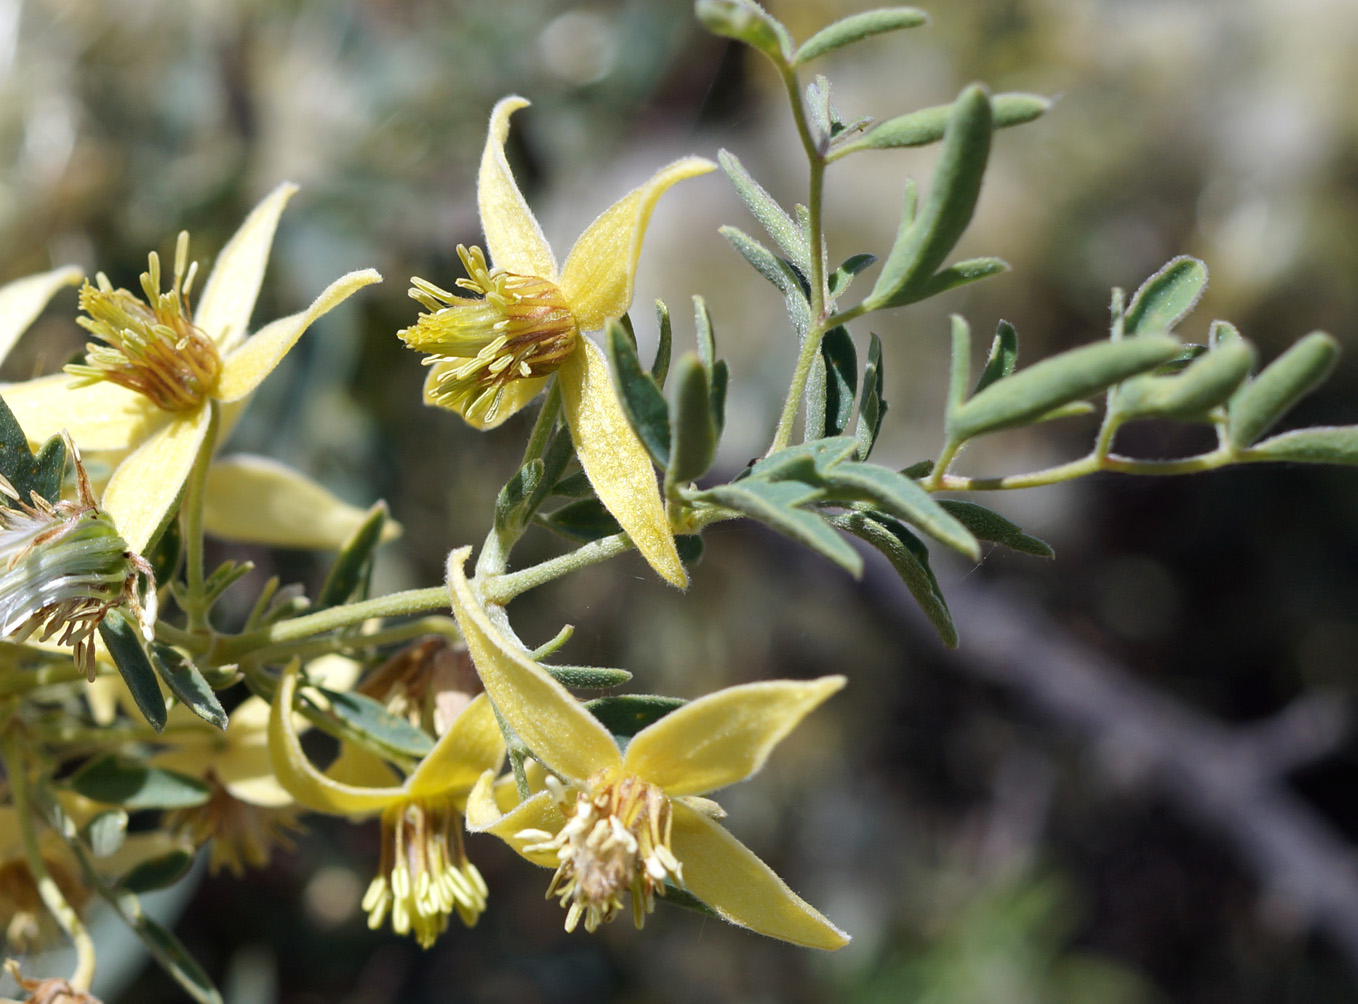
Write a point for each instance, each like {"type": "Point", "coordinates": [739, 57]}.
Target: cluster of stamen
{"type": "Point", "coordinates": [239, 834]}
{"type": "Point", "coordinates": [150, 346]}
{"type": "Point", "coordinates": [424, 875]}
{"type": "Point", "coordinates": [63, 566]}
{"type": "Point", "coordinates": [616, 839]}
{"type": "Point", "coordinates": [518, 327]}
{"type": "Point", "coordinates": [428, 683]}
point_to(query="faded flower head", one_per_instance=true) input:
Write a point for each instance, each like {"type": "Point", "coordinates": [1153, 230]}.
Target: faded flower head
{"type": "Point", "coordinates": [63, 567]}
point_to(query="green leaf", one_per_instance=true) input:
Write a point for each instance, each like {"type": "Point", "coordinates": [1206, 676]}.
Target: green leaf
{"type": "Point", "coordinates": [987, 524]}
{"type": "Point", "coordinates": [588, 677]}
{"type": "Point", "coordinates": [777, 504]}
{"type": "Point", "coordinates": [841, 277]}
{"type": "Point", "coordinates": [575, 486]}
{"type": "Point", "coordinates": [187, 683]}
{"type": "Point", "coordinates": [705, 335]}
{"type": "Point", "coordinates": [1002, 359]}
{"type": "Point", "coordinates": [961, 274]}
{"type": "Point", "coordinates": [1323, 444]}
{"type": "Point", "coordinates": [106, 832]}
{"type": "Point", "coordinates": [124, 646]}
{"type": "Point", "coordinates": [661, 367]}
{"type": "Point", "coordinates": [26, 471]}
{"type": "Point", "coordinates": [901, 497]}
{"type": "Point", "coordinates": [959, 363]}
{"type": "Point", "coordinates": [690, 547]}
{"type": "Point", "coordinates": [509, 503]}
{"type": "Point", "coordinates": [625, 715]}
{"type": "Point", "coordinates": [694, 435]}
{"type": "Point", "coordinates": [348, 576]}
{"type": "Point", "coordinates": [1191, 393]}
{"type": "Point", "coordinates": [1057, 381]}
{"type": "Point", "coordinates": [856, 27]}
{"type": "Point", "coordinates": [749, 23]}
{"type": "Point", "coordinates": [157, 873]}
{"type": "Point", "coordinates": [871, 406]}
{"type": "Point", "coordinates": [167, 950]}
{"type": "Point", "coordinates": [583, 520]}
{"type": "Point", "coordinates": [717, 381]}
{"type": "Point", "coordinates": [778, 272]}
{"type": "Point", "coordinates": [953, 192]}
{"type": "Point", "coordinates": [640, 395]}
{"type": "Point", "coordinates": [1166, 298]}
{"type": "Point", "coordinates": [910, 558]}
{"type": "Point", "coordinates": [135, 786]}
{"type": "Point", "coordinates": [928, 125]}
{"type": "Point", "coordinates": [1285, 381]}
{"type": "Point", "coordinates": [787, 234]}
{"type": "Point", "coordinates": [829, 404]}
{"type": "Point", "coordinates": [803, 461]}
{"type": "Point", "coordinates": [368, 717]}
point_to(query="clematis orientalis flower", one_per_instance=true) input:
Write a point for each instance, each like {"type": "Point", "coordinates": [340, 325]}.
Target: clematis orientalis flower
{"type": "Point", "coordinates": [492, 352]}
{"type": "Point", "coordinates": [150, 385]}
{"type": "Point", "coordinates": [614, 821]}
{"type": "Point", "coordinates": [64, 566]}
{"type": "Point", "coordinates": [424, 875]}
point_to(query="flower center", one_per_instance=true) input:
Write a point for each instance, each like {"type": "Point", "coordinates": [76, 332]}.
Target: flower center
{"type": "Point", "coordinates": [240, 834]}
{"type": "Point", "coordinates": [150, 346]}
{"type": "Point", "coordinates": [424, 874]}
{"type": "Point", "coordinates": [616, 839]}
{"type": "Point", "coordinates": [519, 328]}
{"type": "Point", "coordinates": [63, 566]}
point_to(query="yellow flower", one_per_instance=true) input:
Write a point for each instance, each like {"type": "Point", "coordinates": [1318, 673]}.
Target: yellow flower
{"type": "Point", "coordinates": [23, 299]}
{"type": "Point", "coordinates": [491, 354]}
{"type": "Point", "coordinates": [424, 873]}
{"type": "Point", "coordinates": [634, 820]}
{"type": "Point", "coordinates": [162, 366]}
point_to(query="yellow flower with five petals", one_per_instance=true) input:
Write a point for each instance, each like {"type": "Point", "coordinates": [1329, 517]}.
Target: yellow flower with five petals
{"type": "Point", "coordinates": [632, 821]}
{"type": "Point", "coordinates": [164, 367]}
{"type": "Point", "coordinates": [493, 352]}
{"type": "Point", "coordinates": [424, 875]}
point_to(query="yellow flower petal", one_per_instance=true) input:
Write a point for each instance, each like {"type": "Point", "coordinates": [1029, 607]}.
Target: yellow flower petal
{"type": "Point", "coordinates": [262, 501]}
{"type": "Point", "coordinates": [245, 368]}
{"type": "Point", "coordinates": [617, 464]}
{"type": "Point", "coordinates": [311, 788]}
{"type": "Point", "coordinates": [516, 394]}
{"type": "Point", "coordinates": [597, 276]}
{"type": "Point", "coordinates": [540, 812]}
{"type": "Point", "coordinates": [361, 768]}
{"type": "Point", "coordinates": [513, 237]}
{"type": "Point", "coordinates": [142, 493]}
{"type": "Point", "coordinates": [471, 746]}
{"type": "Point", "coordinates": [723, 737]}
{"type": "Point", "coordinates": [101, 416]}
{"type": "Point", "coordinates": [553, 724]}
{"type": "Point", "coordinates": [23, 299]}
{"type": "Point", "coordinates": [228, 297]}
{"type": "Point", "coordinates": [729, 878]}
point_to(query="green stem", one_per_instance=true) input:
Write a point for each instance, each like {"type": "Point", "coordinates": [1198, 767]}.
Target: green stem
{"type": "Point", "coordinates": [51, 894]}
{"type": "Point", "coordinates": [1093, 464]}
{"type": "Point", "coordinates": [542, 427]}
{"type": "Point", "coordinates": [191, 525]}
{"type": "Point", "coordinates": [312, 648]}
{"type": "Point", "coordinates": [402, 604]}
{"type": "Point", "coordinates": [501, 588]}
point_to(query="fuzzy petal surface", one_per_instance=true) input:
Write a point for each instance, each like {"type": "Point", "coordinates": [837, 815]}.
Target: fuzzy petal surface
{"type": "Point", "coordinates": [311, 788]}
{"type": "Point", "coordinates": [616, 463]}
{"type": "Point", "coordinates": [513, 237]}
{"type": "Point", "coordinates": [597, 276]}
{"type": "Point", "coordinates": [228, 297]}
{"type": "Point", "coordinates": [245, 368]}
{"type": "Point", "coordinates": [23, 300]}
{"type": "Point", "coordinates": [723, 737]}
{"type": "Point", "coordinates": [262, 501]}
{"type": "Point", "coordinates": [142, 493]}
{"type": "Point", "coordinates": [553, 724]}
{"type": "Point", "coordinates": [540, 812]}
{"type": "Point", "coordinates": [471, 746]}
{"type": "Point", "coordinates": [101, 416]}
{"type": "Point", "coordinates": [729, 878]}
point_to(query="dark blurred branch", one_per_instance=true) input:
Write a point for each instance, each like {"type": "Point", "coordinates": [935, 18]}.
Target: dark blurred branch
{"type": "Point", "coordinates": [1231, 780]}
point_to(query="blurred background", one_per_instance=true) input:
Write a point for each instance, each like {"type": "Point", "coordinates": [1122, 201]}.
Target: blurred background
{"type": "Point", "coordinates": [1134, 781]}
